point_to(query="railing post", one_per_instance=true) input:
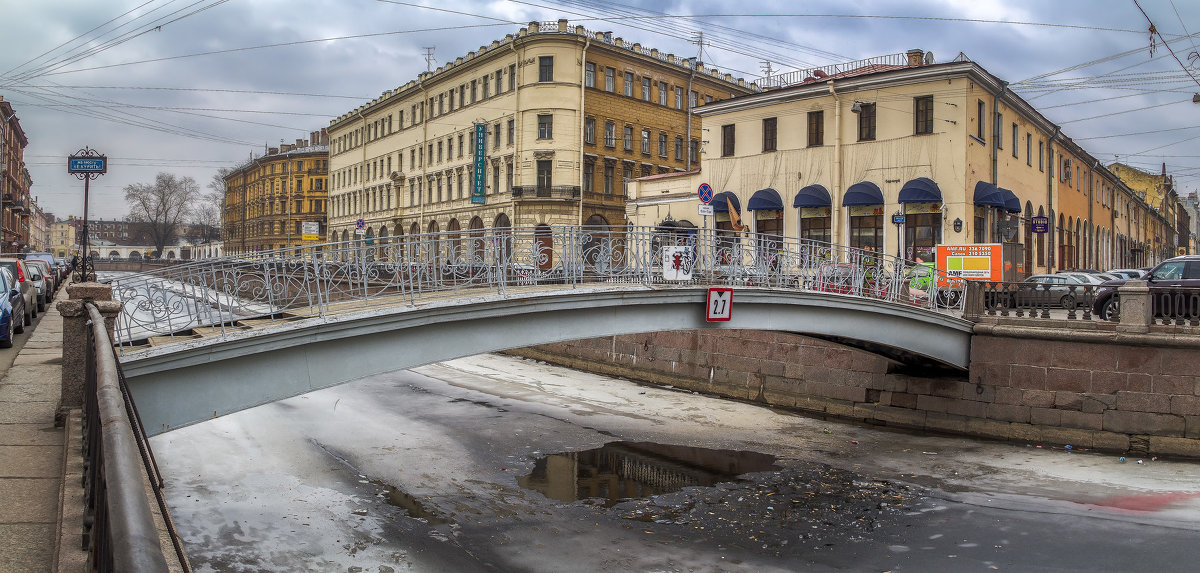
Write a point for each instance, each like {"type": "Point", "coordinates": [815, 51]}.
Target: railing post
{"type": "Point", "coordinates": [1137, 311]}
{"type": "Point", "coordinates": [973, 305]}
{"type": "Point", "coordinates": [75, 337]}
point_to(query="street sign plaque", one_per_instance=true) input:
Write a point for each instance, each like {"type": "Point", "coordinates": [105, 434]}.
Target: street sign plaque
{"type": "Point", "coordinates": [87, 164]}
{"type": "Point", "coordinates": [719, 306]}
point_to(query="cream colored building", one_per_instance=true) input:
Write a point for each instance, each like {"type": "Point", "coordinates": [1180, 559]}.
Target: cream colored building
{"type": "Point", "coordinates": [567, 117]}
{"type": "Point", "coordinates": [62, 239]}
{"type": "Point", "coordinates": [898, 154]}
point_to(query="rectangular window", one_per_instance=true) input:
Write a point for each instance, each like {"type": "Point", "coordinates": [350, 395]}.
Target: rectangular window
{"type": "Point", "coordinates": [460, 146]}
{"type": "Point", "coordinates": [545, 68]}
{"type": "Point", "coordinates": [629, 84]}
{"type": "Point", "coordinates": [487, 87]}
{"type": "Point", "coordinates": [543, 174]}
{"type": "Point", "coordinates": [694, 150]}
{"type": "Point", "coordinates": [727, 143]}
{"type": "Point", "coordinates": [545, 126]}
{"type": "Point", "coordinates": [662, 144]}
{"type": "Point", "coordinates": [980, 113]}
{"type": "Point", "coordinates": [512, 131]}
{"type": "Point", "coordinates": [512, 77]}
{"type": "Point", "coordinates": [628, 138]}
{"type": "Point", "coordinates": [691, 100]}
{"type": "Point", "coordinates": [1042, 156]}
{"type": "Point", "coordinates": [589, 75]}
{"type": "Point", "coordinates": [496, 136]}
{"type": "Point", "coordinates": [608, 178]}
{"type": "Point", "coordinates": [589, 172]}
{"type": "Point", "coordinates": [589, 130]}
{"type": "Point", "coordinates": [610, 134]}
{"type": "Point", "coordinates": [866, 122]}
{"type": "Point", "coordinates": [439, 155]}
{"type": "Point", "coordinates": [609, 79]}
{"type": "Point", "coordinates": [678, 148]}
{"type": "Point", "coordinates": [816, 128]}
{"type": "Point", "coordinates": [645, 142]}
{"type": "Point", "coordinates": [1029, 149]}
{"type": "Point", "coordinates": [923, 115]}
{"type": "Point", "coordinates": [499, 86]}
{"type": "Point", "coordinates": [769, 131]}
{"type": "Point", "coordinates": [678, 98]}
{"type": "Point", "coordinates": [474, 91]}
{"type": "Point", "coordinates": [662, 93]}
{"type": "Point", "coordinates": [1014, 140]}
{"type": "Point", "coordinates": [645, 89]}
{"type": "Point", "coordinates": [441, 101]}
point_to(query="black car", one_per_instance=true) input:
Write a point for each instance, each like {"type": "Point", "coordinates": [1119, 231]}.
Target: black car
{"type": "Point", "coordinates": [1177, 273]}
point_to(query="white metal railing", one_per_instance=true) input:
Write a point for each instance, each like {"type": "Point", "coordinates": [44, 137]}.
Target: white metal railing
{"type": "Point", "coordinates": [219, 296]}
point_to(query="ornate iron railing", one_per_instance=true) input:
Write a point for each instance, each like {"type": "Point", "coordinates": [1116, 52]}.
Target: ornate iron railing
{"type": "Point", "coordinates": [217, 296]}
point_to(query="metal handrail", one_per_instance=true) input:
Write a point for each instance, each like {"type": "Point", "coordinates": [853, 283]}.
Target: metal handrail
{"type": "Point", "coordinates": [119, 530]}
{"type": "Point", "coordinates": [214, 297]}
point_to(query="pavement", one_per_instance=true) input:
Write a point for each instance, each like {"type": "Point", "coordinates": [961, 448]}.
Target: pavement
{"type": "Point", "coordinates": [32, 448]}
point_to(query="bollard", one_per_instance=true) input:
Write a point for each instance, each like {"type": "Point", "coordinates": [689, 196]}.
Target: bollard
{"type": "Point", "coordinates": [1137, 309]}
{"type": "Point", "coordinates": [75, 337]}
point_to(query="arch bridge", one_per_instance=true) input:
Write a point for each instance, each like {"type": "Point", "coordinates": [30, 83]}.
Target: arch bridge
{"type": "Point", "coordinates": [219, 336]}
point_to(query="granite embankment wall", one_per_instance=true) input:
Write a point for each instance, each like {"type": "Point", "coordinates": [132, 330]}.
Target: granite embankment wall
{"type": "Point", "coordinates": [1098, 390]}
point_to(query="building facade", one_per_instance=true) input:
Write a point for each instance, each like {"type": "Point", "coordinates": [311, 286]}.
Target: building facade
{"type": "Point", "coordinates": [15, 181]}
{"type": "Point", "coordinates": [269, 199]}
{"type": "Point", "coordinates": [898, 154]}
{"type": "Point", "coordinates": [62, 239]}
{"type": "Point", "coordinates": [544, 127]}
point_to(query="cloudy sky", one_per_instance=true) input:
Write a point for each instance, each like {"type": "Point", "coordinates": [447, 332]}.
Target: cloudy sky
{"type": "Point", "coordinates": [188, 86]}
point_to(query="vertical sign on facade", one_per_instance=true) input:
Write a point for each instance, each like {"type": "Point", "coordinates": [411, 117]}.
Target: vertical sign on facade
{"type": "Point", "coordinates": [479, 191]}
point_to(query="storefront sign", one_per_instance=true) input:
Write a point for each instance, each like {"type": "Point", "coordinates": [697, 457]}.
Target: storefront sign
{"type": "Point", "coordinates": [479, 190]}
{"type": "Point", "coordinates": [980, 261]}
{"type": "Point", "coordinates": [1040, 224]}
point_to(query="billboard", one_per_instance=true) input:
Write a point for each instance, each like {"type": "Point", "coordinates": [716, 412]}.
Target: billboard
{"type": "Point", "coordinates": [975, 262]}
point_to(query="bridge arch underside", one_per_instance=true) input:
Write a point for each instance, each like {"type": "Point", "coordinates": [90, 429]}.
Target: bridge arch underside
{"type": "Point", "coordinates": [189, 382]}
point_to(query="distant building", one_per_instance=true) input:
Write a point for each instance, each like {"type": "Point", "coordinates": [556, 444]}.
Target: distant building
{"type": "Point", "coordinates": [268, 199]}
{"type": "Point", "coordinates": [15, 181]}
{"type": "Point", "coordinates": [62, 239]}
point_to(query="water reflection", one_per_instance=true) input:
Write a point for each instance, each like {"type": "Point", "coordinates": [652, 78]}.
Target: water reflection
{"type": "Point", "coordinates": [627, 470]}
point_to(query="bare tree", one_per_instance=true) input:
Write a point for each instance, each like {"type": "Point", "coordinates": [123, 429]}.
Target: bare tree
{"type": "Point", "coordinates": [208, 209]}
{"type": "Point", "coordinates": [162, 206]}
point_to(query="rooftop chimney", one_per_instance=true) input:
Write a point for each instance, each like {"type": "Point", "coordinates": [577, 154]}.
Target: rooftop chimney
{"type": "Point", "coordinates": [916, 58]}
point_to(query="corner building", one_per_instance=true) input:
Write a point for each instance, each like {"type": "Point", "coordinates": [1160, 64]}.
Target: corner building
{"type": "Point", "coordinates": [268, 199]}
{"type": "Point", "coordinates": [564, 118]}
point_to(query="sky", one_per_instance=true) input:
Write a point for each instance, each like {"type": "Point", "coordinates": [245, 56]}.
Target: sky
{"type": "Point", "coordinates": [189, 86]}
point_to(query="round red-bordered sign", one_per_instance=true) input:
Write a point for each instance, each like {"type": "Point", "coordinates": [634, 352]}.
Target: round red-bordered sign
{"type": "Point", "coordinates": [705, 192]}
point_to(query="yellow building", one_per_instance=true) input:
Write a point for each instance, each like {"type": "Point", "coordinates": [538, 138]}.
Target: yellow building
{"type": "Point", "coordinates": [898, 154]}
{"type": "Point", "coordinates": [62, 239]}
{"type": "Point", "coordinates": [551, 123]}
{"type": "Point", "coordinates": [270, 198]}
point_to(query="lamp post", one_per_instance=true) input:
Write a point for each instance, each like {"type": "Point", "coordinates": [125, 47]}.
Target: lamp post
{"type": "Point", "coordinates": [86, 164]}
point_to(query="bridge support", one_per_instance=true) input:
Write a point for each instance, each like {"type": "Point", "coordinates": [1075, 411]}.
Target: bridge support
{"type": "Point", "coordinates": [74, 364]}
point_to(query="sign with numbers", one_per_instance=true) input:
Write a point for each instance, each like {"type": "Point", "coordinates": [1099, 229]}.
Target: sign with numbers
{"type": "Point", "coordinates": [719, 307]}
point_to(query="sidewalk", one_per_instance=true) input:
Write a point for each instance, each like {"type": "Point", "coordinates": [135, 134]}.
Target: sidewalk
{"type": "Point", "coordinates": [31, 449]}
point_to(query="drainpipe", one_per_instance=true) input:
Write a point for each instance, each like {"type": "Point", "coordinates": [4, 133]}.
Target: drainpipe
{"type": "Point", "coordinates": [582, 92]}
{"type": "Point", "coordinates": [687, 98]}
{"type": "Point", "coordinates": [997, 129]}
{"type": "Point", "coordinates": [839, 182]}
{"type": "Point", "coordinates": [1091, 220]}
{"type": "Point", "coordinates": [425, 115]}
{"type": "Point", "coordinates": [1051, 162]}
{"type": "Point", "coordinates": [517, 126]}
{"type": "Point", "coordinates": [362, 167]}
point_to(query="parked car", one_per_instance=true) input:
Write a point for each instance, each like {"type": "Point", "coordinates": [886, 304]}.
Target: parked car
{"type": "Point", "coordinates": [28, 291]}
{"type": "Point", "coordinates": [48, 274]}
{"type": "Point", "coordinates": [1062, 290]}
{"type": "Point", "coordinates": [1127, 273]}
{"type": "Point", "coordinates": [49, 259]}
{"type": "Point", "coordinates": [1083, 277]}
{"type": "Point", "coordinates": [1176, 273]}
{"type": "Point", "coordinates": [12, 309]}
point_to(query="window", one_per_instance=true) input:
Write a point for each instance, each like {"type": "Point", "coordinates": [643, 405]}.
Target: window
{"type": "Point", "coordinates": [691, 100]}
{"type": "Point", "coordinates": [645, 89]}
{"type": "Point", "coordinates": [645, 142]}
{"type": "Point", "coordinates": [512, 77]}
{"type": "Point", "coordinates": [474, 90]}
{"type": "Point", "coordinates": [816, 128]}
{"type": "Point", "coordinates": [487, 87]}
{"type": "Point", "coordinates": [439, 155]}
{"type": "Point", "coordinates": [460, 146]}
{"type": "Point", "coordinates": [693, 150]}
{"type": "Point", "coordinates": [999, 130]}
{"type": "Point", "coordinates": [543, 174]}
{"type": "Point", "coordinates": [923, 114]}
{"type": "Point", "coordinates": [980, 113]}
{"type": "Point", "coordinates": [1028, 149]}
{"type": "Point", "coordinates": [499, 86]}
{"type": "Point", "coordinates": [608, 179]}
{"type": "Point", "coordinates": [496, 134]}
{"type": "Point", "coordinates": [609, 79]}
{"type": "Point", "coordinates": [866, 122]}
{"type": "Point", "coordinates": [545, 69]}
{"type": "Point", "coordinates": [662, 144]}
{"type": "Point", "coordinates": [629, 84]}
{"type": "Point", "coordinates": [441, 103]}
{"type": "Point", "coordinates": [512, 130]}
{"type": "Point", "coordinates": [589, 172]}
{"type": "Point", "coordinates": [662, 93]}
{"type": "Point", "coordinates": [589, 75]}
{"type": "Point", "coordinates": [610, 134]}
{"type": "Point", "coordinates": [1014, 140]}
{"type": "Point", "coordinates": [628, 138]}
{"type": "Point", "coordinates": [727, 143]}
{"type": "Point", "coordinates": [589, 130]}
{"type": "Point", "coordinates": [1042, 156]}
{"type": "Point", "coordinates": [545, 127]}
{"type": "Point", "coordinates": [769, 132]}
{"type": "Point", "coordinates": [678, 148]}
{"type": "Point", "coordinates": [678, 98]}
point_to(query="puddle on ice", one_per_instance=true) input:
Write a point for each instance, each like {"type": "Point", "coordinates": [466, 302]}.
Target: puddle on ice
{"type": "Point", "coordinates": [396, 498]}
{"type": "Point", "coordinates": [620, 471]}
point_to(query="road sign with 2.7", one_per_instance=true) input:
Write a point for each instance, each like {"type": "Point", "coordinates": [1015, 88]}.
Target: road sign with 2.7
{"type": "Point", "coordinates": [719, 307]}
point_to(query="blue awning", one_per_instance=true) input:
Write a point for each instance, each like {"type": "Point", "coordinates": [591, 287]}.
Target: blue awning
{"type": "Point", "coordinates": [920, 190]}
{"type": "Point", "coordinates": [862, 193]}
{"type": "Point", "coordinates": [719, 205]}
{"type": "Point", "coordinates": [812, 196]}
{"type": "Point", "coordinates": [765, 200]}
{"type": "Point", "coordinates": [989, 195]}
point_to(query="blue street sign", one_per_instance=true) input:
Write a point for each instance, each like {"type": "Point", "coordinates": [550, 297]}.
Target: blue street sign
{"type": "Point", "coordinates": [479, 190]}
{"type": "Point", "coordinates": [76, 164]}
{"type": "Point", "coordinates": [1040, 224]}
